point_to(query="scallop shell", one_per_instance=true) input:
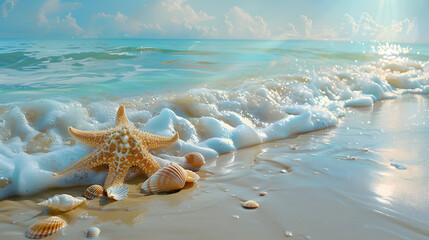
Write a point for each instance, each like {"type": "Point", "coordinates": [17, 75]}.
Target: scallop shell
{"type": "Point", "coordinates": [195, 159]}
{"type": "Point", "coordinates": [117, 192]}
{"type": "Point", "coordinates": [93, 191]}
{"type": "Point", "coordinates": [191, 176]}
{"type": "Point", "coordinates": [250, 204]}
{"type": "Point", "coordinates": [45, 228]}
{"type": "Point", "coordinates": [166, 179]}
{"type": "Point", "coordinates": [63, 202]}
{"type": "Point", "coordinates": [92, 232]}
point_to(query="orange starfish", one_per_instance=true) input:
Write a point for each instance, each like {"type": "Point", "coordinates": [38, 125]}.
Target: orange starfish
{"type": "Point", "coordinates": [120, 147]}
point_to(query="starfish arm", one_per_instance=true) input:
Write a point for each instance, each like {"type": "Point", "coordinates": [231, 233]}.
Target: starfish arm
{"type": "Point", "coordinates": [155, 142]}
{"type": "Point", "coordinates": [93, 159]}
{"type": "Point", "coordinates": [89, 138]}
{"type": "Point", "coordinates": [146, 163]}
{"type": "Point", "coordinates": [121, 118]}
{"type": "Point", "coordinates": [117, 173]}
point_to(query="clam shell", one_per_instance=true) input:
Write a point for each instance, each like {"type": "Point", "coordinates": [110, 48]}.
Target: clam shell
{"type": "Point", "coordinates": [195, 159]}
{"type": "Point", "coordinates": [250, 204]}
{"type": "Point", "coordinates": [117, 192]}
{"type": "Point", "coordinates": [63, 202]}
{"type": "Point", "coordinates": [92, 232]}
{"type": "Point", "coordinates": [167, 179]}
{"type": "Point", "coordinates": [45, 228]}
{"type": "Point", "coordinates": [93, 191]}
{"type": "Point", "coordinates": [191, 176]}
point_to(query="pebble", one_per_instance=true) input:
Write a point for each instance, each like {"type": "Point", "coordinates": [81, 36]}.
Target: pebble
{"type": "Point", "coordinates": [263, 194]}
{"type": "Point", "coordinates": [288, 234]}
{"type": "Point", "coordinates": [255, 188]}
{"type": "Point", "coordinates": [235, 216]}
{"type": "Point", "coordinates": [283, 171]}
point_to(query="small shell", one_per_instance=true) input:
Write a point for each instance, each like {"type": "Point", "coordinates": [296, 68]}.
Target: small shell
{"type": "Point", "coordinates": [117, 192]}
{"type": "Point", "coordinates": [250, 204]}
{"type": "Point", "coordinates": [92, 232]}
{"type": "Point", "coordinates": [63, 202]}
{"type": "Point", "coordinates": [166, 179]}
{"type": "Point", "coordinates": [93, 191]}
{"type": "Point", "coordinates": [45, 228]}
{"type": "Point", "coordinates": [263, 194]}
{"type": "Point", "coordinates": [191, 176]}
{"type": "Point", "coordinates": [195, 159]}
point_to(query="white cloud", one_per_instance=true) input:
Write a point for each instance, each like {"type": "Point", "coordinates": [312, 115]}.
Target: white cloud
{"type": "Point", "coordinates": [7, 7]}
{"type": "Point", "coordinates": [168, 18]}
{"type": "Point", "coordinates": [289, 32]}
{"type": "Point", "coordinates": [49, 20]}
{"type": "Point", "coordinates": [241, 25]}
{"type": "Point", "coordinates": [367, 29]}
{"type": "Point", "coordinates": [307, 25]}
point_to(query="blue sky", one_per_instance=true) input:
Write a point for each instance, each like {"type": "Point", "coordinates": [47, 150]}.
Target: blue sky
{"type": "Point", "coordinates": [393, 20]}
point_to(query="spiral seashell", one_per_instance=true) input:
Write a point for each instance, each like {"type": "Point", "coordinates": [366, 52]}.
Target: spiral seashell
{"type": "Point", "coordinates": [92, 232]}
{"type": "Point", "coordinates": [195, 159]}
{"type": "Point", "coordinates": [191, 176]}
{"type": "Point", "coordinates": [170, 178]}
{"type": "Point", "coordinates": [63, 202]}
{"type": "Point", "coordinates": [250, 204]}
{"type": "Point", "coordinates": [45, 228]}
{"type": "Point", "coordinates": [93, 191]}
{"type": "Point", "coordinates": [117, 192]}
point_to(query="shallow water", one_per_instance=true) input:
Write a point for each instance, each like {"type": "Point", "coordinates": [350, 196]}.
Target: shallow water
{"type": "Point", "coordinates": [219, 95]}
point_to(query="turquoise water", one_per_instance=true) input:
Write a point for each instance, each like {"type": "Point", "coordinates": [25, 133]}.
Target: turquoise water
{"type": "Point", "coordinates": [219, 95]}
{"type": "Point", "coordinates": [129, 67]}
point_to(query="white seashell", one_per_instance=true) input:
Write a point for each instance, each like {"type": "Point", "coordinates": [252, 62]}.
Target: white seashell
{"type": "Point", "coordinates": [45, 228]}
{"type": "Point", "coordinates": [92, 232]}
{"type": "Point", "coordinates": [170, 178]}
{"type": "Point", "coordinates": [93, 191]}
{"type": "Point", "coordinates": [117, 192]}
{"type": "Point", "coordinates": [191, 176]}
{"type": "Point", "coordinates": [250, 204]}
{"type": "Point", "coordinates": [195, 159]}
{"type": "Point", "coordinates": [63, 202]}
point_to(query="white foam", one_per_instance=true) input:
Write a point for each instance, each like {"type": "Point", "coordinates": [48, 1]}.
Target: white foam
{"type": "Point", "coordinates": [36, 143]}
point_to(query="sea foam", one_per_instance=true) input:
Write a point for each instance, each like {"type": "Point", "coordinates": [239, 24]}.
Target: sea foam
{"type": "Point", "coordinates": [210, 120]}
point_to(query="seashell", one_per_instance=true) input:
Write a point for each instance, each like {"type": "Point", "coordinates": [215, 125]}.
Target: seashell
{"type": "Point", "coordinates": [63, 202]}
{"type": "Point", "coordinates": [263, 194]}
{"type": "Point", "coordinates": [117, 192]}
{"type": "Point", "coordinates": [92, 232]}
{"type": "Point", "coordinates": [93, 191]}
{"type": "Point", "coordinates": [250, 204]}
{"type": "Point", "coordinates": [195, 159]}
{"type": "Point", "coordinates": [191, 176]}
{"type": "Point", "coordinates": [45, 228]}
{"type": "Point", "coordinates": [166, 179]}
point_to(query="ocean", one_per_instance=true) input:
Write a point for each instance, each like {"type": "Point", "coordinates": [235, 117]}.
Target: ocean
{"type": "Point", "coordinates": [219, 95]}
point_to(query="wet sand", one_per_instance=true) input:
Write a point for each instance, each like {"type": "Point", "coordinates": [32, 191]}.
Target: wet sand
{"type": "Point", "coordinates": [367, 178]}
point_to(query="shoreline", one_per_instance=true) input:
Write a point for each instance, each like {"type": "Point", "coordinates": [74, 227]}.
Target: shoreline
{"type": "Point", "coordinates": [364, 179]}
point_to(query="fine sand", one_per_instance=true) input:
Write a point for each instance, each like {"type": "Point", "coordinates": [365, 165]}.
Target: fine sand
{"type": "Point", "coordinates": [367, 178]}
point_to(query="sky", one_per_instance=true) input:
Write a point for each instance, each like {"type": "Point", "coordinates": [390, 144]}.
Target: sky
{"type": "Point", "coordinates": [363, 20]}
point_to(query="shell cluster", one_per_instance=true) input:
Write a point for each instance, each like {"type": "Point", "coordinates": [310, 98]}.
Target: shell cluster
{"type": "Point", "coordinates": [63, 202]}
{"type": "Point", "coordinates": [93, 191]}
{"type": "Point", "coordinates": [45, 228]}
{"type": "Point", "coordinates": [170, 178]}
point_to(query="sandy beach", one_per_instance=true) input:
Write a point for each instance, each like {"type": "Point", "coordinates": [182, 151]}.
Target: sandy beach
{"type": "Point", "coordinates": [367, 178]}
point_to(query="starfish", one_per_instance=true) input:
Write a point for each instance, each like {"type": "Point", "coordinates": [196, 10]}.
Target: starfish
{"type": "Point", "coordinates": [120, 147]}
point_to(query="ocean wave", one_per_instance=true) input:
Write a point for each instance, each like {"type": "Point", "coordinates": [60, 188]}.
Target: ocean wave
{"type": "Point", "coordinates": [211, 120]}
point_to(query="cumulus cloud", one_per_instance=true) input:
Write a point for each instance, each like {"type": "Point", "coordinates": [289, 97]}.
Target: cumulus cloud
{"type": "Point", "coordinates": [169, 18]}
{"type": "Point", "coordinates": [367, 29]}
{"type": "Point", "coordinates": [289, 32]}
{"type": "Point", "coordinates": [7, 7]}
{"type": "Point", "coordinates": [241, 25]}
{"type": "Point", "coordinates": [307, 25]}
